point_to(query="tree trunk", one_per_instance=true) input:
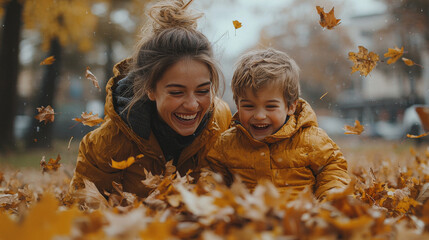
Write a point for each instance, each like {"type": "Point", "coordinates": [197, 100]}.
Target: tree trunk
{"type": "Point", "coordinates": [9, 67]}
{"type": "Point", "coordinates": [40, 134]}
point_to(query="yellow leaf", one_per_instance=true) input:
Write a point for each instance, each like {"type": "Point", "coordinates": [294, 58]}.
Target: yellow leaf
{"type": "Point", "coordinates": [417, 136]}
{"type": "Point", "coordinates": [394, 54]}
{"type": "Point", "coordinates": [363, 61]}
{"type": "Point", "coordinates": [123, 164]}
{"type": "Point", "coordinates": [327, 20]}
{"type": "Point", "coordinates": [237, 24]}
{"type": "Point", "coordinates": [48, 61]}
{"type": "Point", "coordinates": [356, 129]}
{"type": "Point", "coordinates": [89, 119]}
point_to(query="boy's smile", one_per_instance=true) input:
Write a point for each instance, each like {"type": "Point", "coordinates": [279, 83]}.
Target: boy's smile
{"type": "Point", "coordinates": [263, 113]}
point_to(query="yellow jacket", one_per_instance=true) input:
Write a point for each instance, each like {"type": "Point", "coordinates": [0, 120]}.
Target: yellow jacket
{"type": "Point", "coordinates": [298, 155]}
{"type": "Point", "coordinates": [115, 140]}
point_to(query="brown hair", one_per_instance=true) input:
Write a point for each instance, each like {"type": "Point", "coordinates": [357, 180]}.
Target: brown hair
{"type": "Point", "coordinates": [169, 38]}
{"type": "Point", "coordinates": [259, 68]}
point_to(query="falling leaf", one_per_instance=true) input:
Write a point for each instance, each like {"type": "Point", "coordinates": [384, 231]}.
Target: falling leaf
{"type": "Point", "coordinates": [46, 114]}
{"type": "Point", "coordinates": [123, 164]}
{"type": "Point", "coordinates": [237, 24]}
{"type": "Point", "coordinates": [363, 61]}
{"type": "Point", "coordinates": [417, 136]}
{"type": "Point", "coordinates": [68, 146]}
{"type": "Point", "coordinates": [89, 119]}
{"type": "Point", "coordinates": [356, 129]}
{"type": "Point", "coordinates": [394, 54]}
{"type": "Point", "coordinates": [323, 95]}
{"type": "Point", "coordinates": [410, 62]}
{"type": "Point", "coordinates": [51, 165]}
{"type": "Point", "coordinates": [92, 78]}
{"type": "Point", "coordinates": [327, 20]}
{"type": "Point", "coordinates": [48, 61]}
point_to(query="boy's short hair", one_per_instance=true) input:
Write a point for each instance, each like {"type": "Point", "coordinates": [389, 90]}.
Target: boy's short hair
{"type": "Point", "coordinates": [259, 68]}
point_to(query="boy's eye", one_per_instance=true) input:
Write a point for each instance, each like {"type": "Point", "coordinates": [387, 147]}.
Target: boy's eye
{"type": "Point", "coordinates": [247, 106]}
{"type": "Point", "coordinates": [271, 106]}
{"type": "Point", "coordinates": [203, 91]}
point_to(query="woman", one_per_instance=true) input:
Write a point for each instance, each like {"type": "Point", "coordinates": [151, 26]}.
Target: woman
{"type": "Point", "coordinates": [161, 103]}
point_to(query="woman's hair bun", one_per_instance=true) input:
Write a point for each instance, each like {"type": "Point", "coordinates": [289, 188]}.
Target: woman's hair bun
{"type": "Point", "coordinates": [173, 13]}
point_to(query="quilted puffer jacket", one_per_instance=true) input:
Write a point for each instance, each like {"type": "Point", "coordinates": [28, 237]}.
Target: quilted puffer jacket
{"type": "Point", "coordinates": [115, 140]}
{"type": "Point", "coordinates": [298, 155]}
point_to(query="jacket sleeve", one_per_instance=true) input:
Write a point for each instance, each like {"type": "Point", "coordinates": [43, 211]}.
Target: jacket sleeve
{"type": "Point", "coordinates": [327, 163]}
{"type": "Point", "coordinates": [93, 162]}
{"type": "Point", "coordinates": [215, 159]}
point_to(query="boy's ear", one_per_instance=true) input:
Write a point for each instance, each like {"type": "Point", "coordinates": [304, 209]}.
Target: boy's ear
{"type": "Point", "coordinates": [292, 107]}
{"type": "Point", "coordinates": [151, 95]}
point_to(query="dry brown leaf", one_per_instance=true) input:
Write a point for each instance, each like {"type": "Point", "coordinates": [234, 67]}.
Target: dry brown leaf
{"type": "Point", "coordinates": [51, 165]}
{"type": "Point", "coordinates": [46, 114]}
{"type": "Point", "coordinates": [424, 193]}
{"type": "Point", "coordinates": [48, 61]}
{"type": "Point", "coordinates": [394, 54]}
{"type": "Point", "coordinates": [363, 61]}
{"type": "Point", "coordinates": [327, 20]}
{"type": "Point", "coordinates": [90, 76]}
{"type": "Point", "coordinates": [89, 119]}
{"type": "Point", "coordinates": [356, 129]}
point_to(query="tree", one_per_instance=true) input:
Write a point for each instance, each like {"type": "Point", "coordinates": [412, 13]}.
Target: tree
{"type": "Point", "coordinates": [9, 67]}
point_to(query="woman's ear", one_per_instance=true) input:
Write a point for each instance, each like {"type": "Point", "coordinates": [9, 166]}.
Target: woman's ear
{"type": "Point", "coordinates": [292, 107]}
{"type": "Point", "coordinates": [151, 95]}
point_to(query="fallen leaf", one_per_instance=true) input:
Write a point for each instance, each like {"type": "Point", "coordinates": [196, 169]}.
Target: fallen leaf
{"type": "Point", "coordinates": [394, 54]}
{"type": "Point", "coordinates": [327, 20]}
{"type": "Point", "coordinates": [51, 165]}
{"type": "Point", "coordinates": [89, 119]}
{"type": "Point", "coordinates": [48, 61]}
{"type": "Point", "coordinates": [417, 136]}
{"type": "Point", "coordinates": [237, 24]}
{"type": "Point", "coordinates": [363, 61]}
{"type": "Point", "coordinates": [90, 76]}
{"type": "Point", "coordinates": [46, 114]}
{"type": "Point", "coordinates": [356, 129]}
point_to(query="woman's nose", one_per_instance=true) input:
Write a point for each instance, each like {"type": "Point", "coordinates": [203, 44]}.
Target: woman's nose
{"type": "Point", "coordinates": [191, 103]}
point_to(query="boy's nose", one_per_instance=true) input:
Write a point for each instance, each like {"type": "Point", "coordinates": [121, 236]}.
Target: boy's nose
{"type": "Point", "coordinates": [260, 115]}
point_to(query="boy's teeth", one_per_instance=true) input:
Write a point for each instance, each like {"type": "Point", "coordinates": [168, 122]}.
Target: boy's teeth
{"type": "Point", "coordinates": [186, 116]}
{"type": "Point", "coordinates": [261, 126]}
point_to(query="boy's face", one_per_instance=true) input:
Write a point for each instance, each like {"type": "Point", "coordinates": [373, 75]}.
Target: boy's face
{"type": "Point", "coordinates": [264, 113]}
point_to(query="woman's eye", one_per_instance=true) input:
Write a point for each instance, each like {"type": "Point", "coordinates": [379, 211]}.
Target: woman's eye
{"type": "Point", "coordinates": [175, 93]}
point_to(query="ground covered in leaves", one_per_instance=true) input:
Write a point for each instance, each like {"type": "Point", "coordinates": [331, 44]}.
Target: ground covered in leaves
{"type": "Point", "coordinates": [386, 200]}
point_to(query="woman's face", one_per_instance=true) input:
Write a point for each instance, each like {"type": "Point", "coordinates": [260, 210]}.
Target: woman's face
{"type": "Point", "coordinates": [183, 95]}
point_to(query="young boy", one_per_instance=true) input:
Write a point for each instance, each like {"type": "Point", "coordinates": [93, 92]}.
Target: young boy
{"type": "Point", "coordinates": [274, 134]}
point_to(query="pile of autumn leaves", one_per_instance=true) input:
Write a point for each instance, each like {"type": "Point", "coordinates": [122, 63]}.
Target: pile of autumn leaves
{"type": "Point", "coordinates": [381, 202]}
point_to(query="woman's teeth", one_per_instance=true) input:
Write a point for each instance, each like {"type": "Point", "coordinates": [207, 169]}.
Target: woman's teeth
{"type": "Point", "coordinates": [186, 116]}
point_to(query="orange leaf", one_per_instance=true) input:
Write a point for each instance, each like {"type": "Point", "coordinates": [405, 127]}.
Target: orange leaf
{"type": "Point", "coordinates": [417, 136]}
{"type": "Point", "coordinates": [90, 76]}
{"type": "Point", "coordinates": [363, 61]}
{"type": "Point", "coordinates": [327, 20]}
{"type": "Point", "coordinates": [51, 165]}
{"type": "Point", "coordinates": [89, 119]}
{"type": "Point", "coordinates": [237, 24]}
{"type": "Point", "coordinates": [394, 54]}
{"type": "Point", "coordinates": [356, 129]}
{"type": "Point", "coordinates": [46, 114]}
{"type": "Point", "coordinates": [126, 163]}
{"type": "Point", "coordinates": [410, 62]}
{"type": "Point", "coordinates": [48, 61]}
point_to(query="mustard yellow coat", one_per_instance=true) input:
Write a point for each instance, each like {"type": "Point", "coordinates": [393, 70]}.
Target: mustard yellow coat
{"type": "Point", "coordinates": [115, 140]}
{"type": "Point", "coordinates": [299, 155]}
